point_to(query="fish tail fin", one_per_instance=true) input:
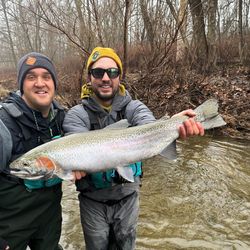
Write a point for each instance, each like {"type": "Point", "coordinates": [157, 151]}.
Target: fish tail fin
{"type": "Point", "coordinates": [214, 122]}
{"type": "Point", "coordinates": [207, 110]}
{"type": "Point", "coordinates": [207, 114]}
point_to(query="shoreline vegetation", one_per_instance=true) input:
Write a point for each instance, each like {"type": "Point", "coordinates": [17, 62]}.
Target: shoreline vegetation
{"type": "Point", "coordinates": [165, 92]}
{"type": "Point", "coordinates": [175, 54]}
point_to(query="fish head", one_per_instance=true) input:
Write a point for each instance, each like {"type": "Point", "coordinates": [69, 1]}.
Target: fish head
{"type": "Point", "coordinates": [34, 168]}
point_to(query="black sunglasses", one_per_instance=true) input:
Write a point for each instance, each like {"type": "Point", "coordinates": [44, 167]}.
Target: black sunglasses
{"type": "Point", "coordinates": [99, 72]}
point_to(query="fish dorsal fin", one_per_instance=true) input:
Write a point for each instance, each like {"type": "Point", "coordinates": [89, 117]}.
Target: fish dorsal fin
{"type": "Point", "coordinates": [170, 151]}
{"type": "Point", "coordinates": [120, 124]}
{"type": "Point", "coordinates": [126, 173]}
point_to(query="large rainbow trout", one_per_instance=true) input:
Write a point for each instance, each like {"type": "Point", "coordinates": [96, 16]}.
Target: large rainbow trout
{"type": "Point", "coordinates": [109, 148]}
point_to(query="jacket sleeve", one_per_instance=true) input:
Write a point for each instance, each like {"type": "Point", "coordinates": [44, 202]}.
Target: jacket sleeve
{"type": "Point", "coordinates": [138, 113]}
{"type": "Point", "coordinates": [76, 120]}
{"type": "Point", "coordinates": [5, 146]}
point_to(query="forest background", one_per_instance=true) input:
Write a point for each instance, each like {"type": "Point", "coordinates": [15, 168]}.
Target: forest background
{"type": "Point", "coordinates": [175, 53]}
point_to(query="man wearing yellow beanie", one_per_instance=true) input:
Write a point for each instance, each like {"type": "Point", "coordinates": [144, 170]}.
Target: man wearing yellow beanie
{"type": "Point", "coordinates": [109, 205]}
{"type": "Point", "coordinates": [100, 52]}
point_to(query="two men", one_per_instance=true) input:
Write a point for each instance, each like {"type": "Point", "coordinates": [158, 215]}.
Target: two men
{"type": "Point", "coordinates": [30, 211]}
{"type": "Point", "coordinates": [109, 205]}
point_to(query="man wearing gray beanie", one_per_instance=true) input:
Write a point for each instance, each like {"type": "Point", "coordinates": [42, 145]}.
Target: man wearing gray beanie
{"type": "Point", "coordinates": [31, 61]}
{"type": "Point", "coordinates": [30, 210]}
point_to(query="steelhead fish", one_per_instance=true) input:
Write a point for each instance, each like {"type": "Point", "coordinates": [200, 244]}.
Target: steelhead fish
{"type": "Point", "coordinates": [109, 148]}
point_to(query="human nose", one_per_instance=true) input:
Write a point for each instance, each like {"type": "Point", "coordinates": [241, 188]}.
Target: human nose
{"type": "Point", "coordinates": [39, 81]}
{"type": "Point", "coordinates": [105, 77]}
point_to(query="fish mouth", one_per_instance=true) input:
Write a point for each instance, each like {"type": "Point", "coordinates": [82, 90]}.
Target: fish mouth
{"type": "Point", "coordinates": [30, 174]}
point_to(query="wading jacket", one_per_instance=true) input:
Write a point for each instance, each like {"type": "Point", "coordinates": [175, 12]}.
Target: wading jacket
{"type": "Point", "coordinates": [78, 120]}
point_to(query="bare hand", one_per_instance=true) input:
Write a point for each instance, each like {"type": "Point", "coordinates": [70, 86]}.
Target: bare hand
{"type": "Point", "coordinates": [190, 127]}
{"type": "Point", "coordinates": [78, 175]}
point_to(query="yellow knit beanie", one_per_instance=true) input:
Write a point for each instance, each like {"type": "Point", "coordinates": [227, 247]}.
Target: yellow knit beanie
{"type": "Point", "coordinates": [99, 52]}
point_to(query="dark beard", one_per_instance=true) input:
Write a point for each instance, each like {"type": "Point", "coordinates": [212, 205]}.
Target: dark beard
{"type": "Point", "coordinates": [106, 98]}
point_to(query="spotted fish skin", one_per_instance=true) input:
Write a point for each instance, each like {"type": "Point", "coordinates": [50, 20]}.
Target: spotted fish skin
{"type": "Point", "coordinates": [108, 148]}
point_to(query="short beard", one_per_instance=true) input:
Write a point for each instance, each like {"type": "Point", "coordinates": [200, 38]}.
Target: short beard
{"type": "Point", "coordinates": [106, 98]}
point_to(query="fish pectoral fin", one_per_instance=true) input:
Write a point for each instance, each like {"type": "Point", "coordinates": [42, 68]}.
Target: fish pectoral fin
{"type": "Point", "coordinates": [170, 151]}
{"type": "Point", "coordinates": [126, 173]}
{"type": "Point", "coordinates": [66, 175]}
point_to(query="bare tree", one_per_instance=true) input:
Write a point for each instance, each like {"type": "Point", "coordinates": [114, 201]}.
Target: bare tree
{"type": "Point", "coordinates": [98, 25]}
{"type": "Point", "coordinates": [240, 31]}
{"type": "Point", "coordinates": [180, 17]}
{"type": "Point", "coordinates": [21, 19]}
{"type": "Point", "coordinates": [211, 35]}
{"type": "Point", "coordinates": [247, 4]}
{"type": "Point", "coordinates": [89, 21]}
{"type": "Point", "coordinates": [156, 32]}
{"type": "Point", "coordinates": [125, 36]}
{"type": "Point", "coordinates": [82, 27]}
{"type": "Point", "coordinates": [9, 31]}
{"type": "Point", "coordinates": [199, 37]}
{"type": "Point", "coordinates": [147, 23]}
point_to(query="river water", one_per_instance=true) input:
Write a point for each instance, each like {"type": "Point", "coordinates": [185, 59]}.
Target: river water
{"type": "Point", "coordinates": [201, 201]}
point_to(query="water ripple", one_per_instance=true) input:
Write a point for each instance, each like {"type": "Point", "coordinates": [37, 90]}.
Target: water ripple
{"type": "Point", "coordinates": [201, 201]}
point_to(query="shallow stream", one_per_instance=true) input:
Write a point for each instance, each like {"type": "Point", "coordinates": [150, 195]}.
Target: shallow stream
{"type": "Point", "coordinates": [201, 201]}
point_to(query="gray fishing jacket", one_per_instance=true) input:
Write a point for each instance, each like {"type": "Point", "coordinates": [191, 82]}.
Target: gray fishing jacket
{"type": "Point", "coordinates": [77, 120]}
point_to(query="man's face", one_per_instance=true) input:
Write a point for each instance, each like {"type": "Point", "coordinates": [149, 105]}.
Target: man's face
{"type": "Point", "coordinates": [39, 90]}
{"type": "Point", "coordinates": [105, 88]}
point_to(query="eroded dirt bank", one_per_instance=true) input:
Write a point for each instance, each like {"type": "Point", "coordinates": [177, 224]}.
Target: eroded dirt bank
{"type": "Point", "coordinates": [170, 94]}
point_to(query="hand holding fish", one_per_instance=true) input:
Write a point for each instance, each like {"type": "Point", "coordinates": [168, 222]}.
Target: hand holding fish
{"type": "Point", "coordinates": [78, 175]}
{"type": "Point", "coordinates": [100, 150]}
{"type": "Point", "coordinates": [189, 127]}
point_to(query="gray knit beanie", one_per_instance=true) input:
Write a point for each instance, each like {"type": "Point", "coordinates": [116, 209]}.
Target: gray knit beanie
{"type": "Point", "coordinates": [34, 60]}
